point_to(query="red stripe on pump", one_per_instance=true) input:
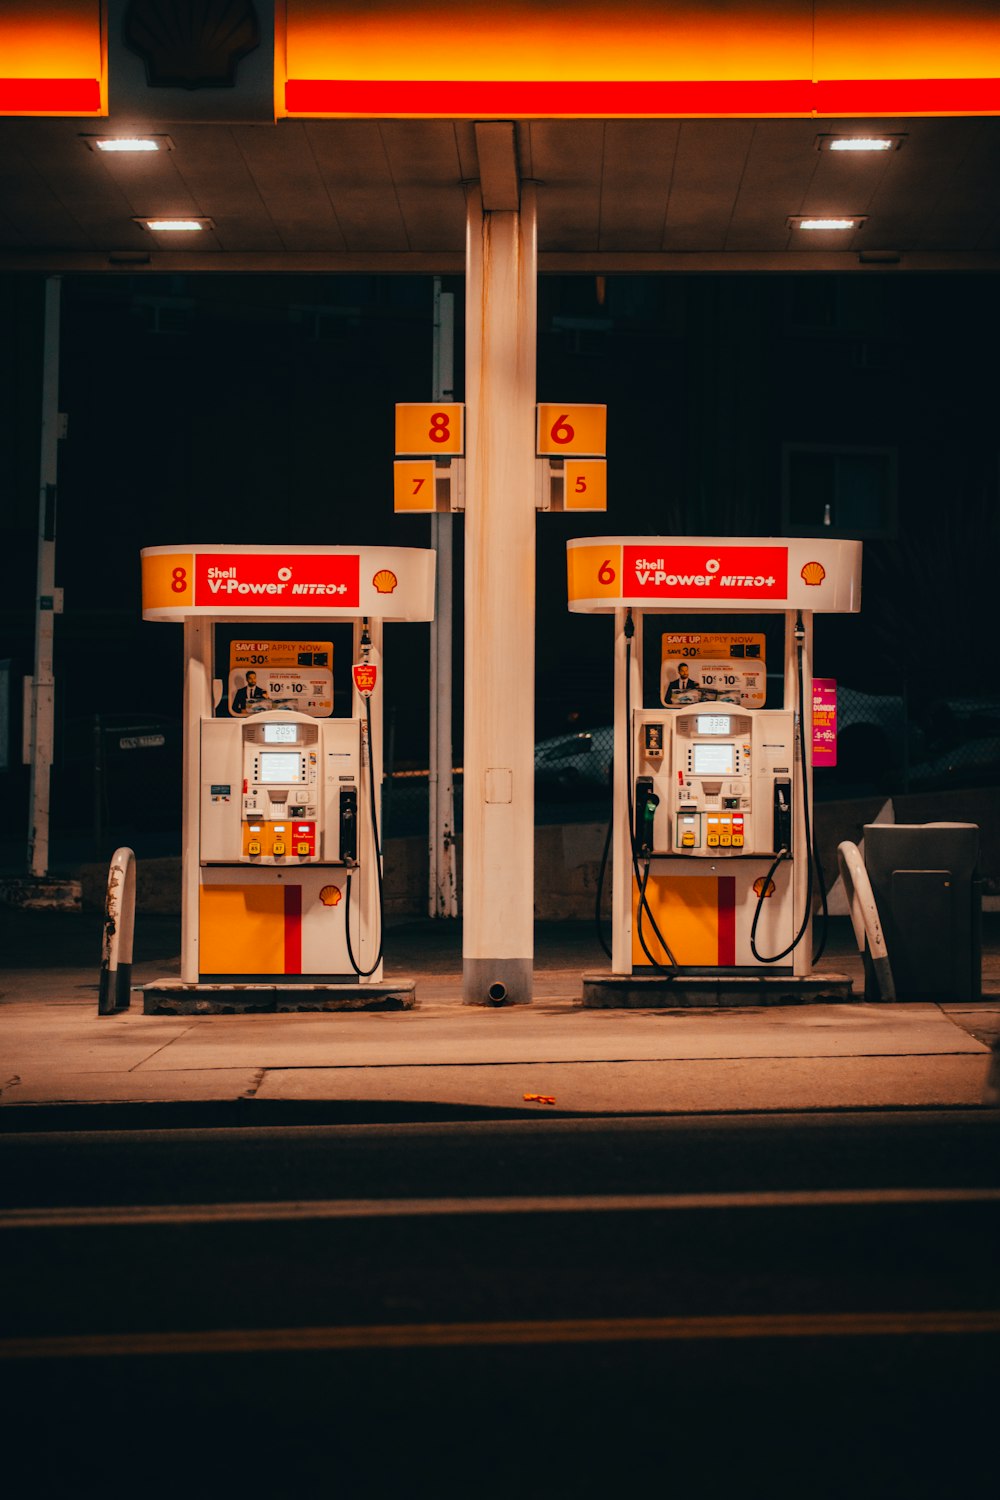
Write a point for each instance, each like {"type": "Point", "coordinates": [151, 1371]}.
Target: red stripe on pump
{"type": "Point", "coordinates": [293, 929]}
{"type": "Point", "coordinates": [727, 919]}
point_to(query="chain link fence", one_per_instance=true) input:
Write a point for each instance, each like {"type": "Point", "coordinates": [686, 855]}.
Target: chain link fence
{"type": "Point", "coordinates": [887, 743]}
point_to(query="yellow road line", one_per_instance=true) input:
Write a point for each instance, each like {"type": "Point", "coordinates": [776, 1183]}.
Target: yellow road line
{"type": "Point", "coordinates": [377, 1208]}
{"type": "Point", "coordinates": [445, 1335]}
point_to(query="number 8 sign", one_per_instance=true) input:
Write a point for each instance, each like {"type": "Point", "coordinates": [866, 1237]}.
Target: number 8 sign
{"type": "Point", "coordinates": [426, 429]}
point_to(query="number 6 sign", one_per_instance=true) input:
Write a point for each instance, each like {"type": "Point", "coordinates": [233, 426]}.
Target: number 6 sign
{"type": "Point", "coordinates": [571, 430]}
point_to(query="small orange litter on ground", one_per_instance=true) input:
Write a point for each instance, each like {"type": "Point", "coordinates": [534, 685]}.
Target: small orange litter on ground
{"type": "Point", "coordinates": [539, 1099]}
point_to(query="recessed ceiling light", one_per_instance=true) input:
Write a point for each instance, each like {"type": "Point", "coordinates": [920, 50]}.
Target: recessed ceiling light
{"type": "Point", "coordinates": [129, 144]}
{"type": "Point", "coordinates": [859, 142]}
{"type": "Point", "coordinates": [175, 226]}
{"type": "Point", "coordinates": [802, 221]}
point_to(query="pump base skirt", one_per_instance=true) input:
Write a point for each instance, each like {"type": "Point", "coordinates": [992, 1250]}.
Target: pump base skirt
{"type": "Point", "coordinates": [658, 992]}
{"type": "Point", "coordinates": [176, 997]}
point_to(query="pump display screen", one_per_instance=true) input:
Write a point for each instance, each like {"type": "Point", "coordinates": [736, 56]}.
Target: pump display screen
{"type": "Point", "coordinates": [712, 724]}
{"type": "Point", "coordinates": [279, 767]}
{"type": "Point", "coordinates": [280, 734]}
{"type": "Point", "coordinates": [713, 759]}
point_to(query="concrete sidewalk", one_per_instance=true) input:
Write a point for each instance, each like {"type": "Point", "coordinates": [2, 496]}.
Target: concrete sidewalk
{"type": "Point", "coordinates": [63, 1066]}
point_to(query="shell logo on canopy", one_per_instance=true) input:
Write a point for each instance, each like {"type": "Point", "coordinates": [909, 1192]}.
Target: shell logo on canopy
{"type": "Point", "coordinates": [384, 581]}
{"type": "Point", "coordinates": [813, 573]}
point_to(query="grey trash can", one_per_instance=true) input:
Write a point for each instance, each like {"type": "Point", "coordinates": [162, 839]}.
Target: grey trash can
{"type": "Point", "coordinates": [927, 889]}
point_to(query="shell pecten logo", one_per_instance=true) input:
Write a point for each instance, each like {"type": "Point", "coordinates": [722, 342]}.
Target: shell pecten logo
{"type": "Point", "coordinates": [384, 581]}
{"type": "Point", "coordinates": [330, 895]}
{"type": "Point", "coordinates": [813, 573]}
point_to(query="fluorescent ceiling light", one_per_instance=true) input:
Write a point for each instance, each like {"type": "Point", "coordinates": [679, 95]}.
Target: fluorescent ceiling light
{"type": "Point", "coordinates": [123, 143]}
{"type": "Point", "coordinates": [128, 144]}
{"type": "Point", "coordinates": [861, 143]}
{"type": "Point", "coordinates": [175, 226]}
{"type": "Point", "coordinates": [802, 221]}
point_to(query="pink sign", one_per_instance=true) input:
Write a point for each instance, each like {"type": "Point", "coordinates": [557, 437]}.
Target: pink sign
{"type": "Point", "coordinates": [824, 721]}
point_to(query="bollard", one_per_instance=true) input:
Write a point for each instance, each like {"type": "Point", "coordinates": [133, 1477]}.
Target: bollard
{"type": "Point", "coordinates": [115, 989]}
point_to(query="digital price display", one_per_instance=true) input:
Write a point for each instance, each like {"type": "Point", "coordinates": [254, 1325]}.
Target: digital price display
{"type": "Point", "coordinates": [280, 734]}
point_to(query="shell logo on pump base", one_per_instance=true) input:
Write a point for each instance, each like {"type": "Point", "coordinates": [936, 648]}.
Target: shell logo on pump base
{"type": "Point", "coordinates": [758, 887]}
{"type": "Point", "coordinates": [330, 895]}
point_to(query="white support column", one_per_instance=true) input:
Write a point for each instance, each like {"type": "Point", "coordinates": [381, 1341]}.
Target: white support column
{"type": "Point", "coordinates": [442, 894]}
{"type": "Point", "coordinates": [42, 690]}
{"type": "Point", "coordinates": [621, 848]}
{"type": "Point", "coordinates": [498, 874]}
{"type": "Point", "coordinates": [198, 704]}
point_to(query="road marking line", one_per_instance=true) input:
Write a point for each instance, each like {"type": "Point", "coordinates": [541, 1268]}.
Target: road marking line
{"type": "Point", "coordinates": [442, 1335]}
{"type": "Point", "coordinates": [391, 1208]}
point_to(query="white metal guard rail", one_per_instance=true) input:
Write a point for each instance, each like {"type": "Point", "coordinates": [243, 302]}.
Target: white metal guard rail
{"type": "Point", "coordinates": [864, 916]}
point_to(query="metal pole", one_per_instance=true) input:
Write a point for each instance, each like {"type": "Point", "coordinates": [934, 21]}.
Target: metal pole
{"type": "Point", "coordinates": [442, 894]}
{"type": "Point", "coordinates": [198, 704]}
{"type": "Point", "coordinates": [498, 865]}
{"type": "Point", "coordinates": [97, 746]}
{"type": "Point", "coordinates": [622, 879]}
{"type": "Point", "coordinates": [42, 731]}
{"type": "Point", "coordinates": [803, 786]}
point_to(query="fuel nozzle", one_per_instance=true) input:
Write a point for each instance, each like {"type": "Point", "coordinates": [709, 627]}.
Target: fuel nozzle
{"type": "Point", "coordinates": [646, 803]}
{"type": "Point", "coordinates": [366, 640]}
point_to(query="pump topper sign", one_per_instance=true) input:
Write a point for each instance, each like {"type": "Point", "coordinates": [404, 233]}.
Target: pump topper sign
{"type": "Point", "coordinates": [714, 573]}
{"type": "Point", "coordinates": [395, 583]}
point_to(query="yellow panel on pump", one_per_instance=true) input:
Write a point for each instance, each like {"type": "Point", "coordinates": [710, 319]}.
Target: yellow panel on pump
{"type": "Point", "coordinates": [694, 913]}
{"type": "Point", "coordinates": [242, 929]}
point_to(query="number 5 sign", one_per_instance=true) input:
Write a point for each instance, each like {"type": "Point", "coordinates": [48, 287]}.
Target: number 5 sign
{"type": "Point", "coordinates": [577, 431]}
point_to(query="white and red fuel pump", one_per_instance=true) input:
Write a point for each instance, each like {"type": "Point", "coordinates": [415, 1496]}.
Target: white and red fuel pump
{"type": "Point", "coordinates": [282, 868]}
{"type": "Point", "coordinates": [713, 833]}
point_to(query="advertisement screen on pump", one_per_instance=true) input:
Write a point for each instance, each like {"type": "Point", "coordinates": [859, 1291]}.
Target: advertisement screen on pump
{"type": "Point", "coordinates": [713, 667]}
{"type": "Point", "coordinates": [296, 675]}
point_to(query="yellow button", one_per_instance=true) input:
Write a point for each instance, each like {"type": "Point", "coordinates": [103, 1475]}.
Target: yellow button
{"type": "Point", "coordinates": [302, 848]}
{"type": "Point", "coordinates": [725, 839]}
{"type": "Point", "coordinates": [711, 840]}
{"type": "Point", "coordinates": [737, 841]}
{"type": "Point", "coordinates": [687, 841]}
{"type": "Point", "coordinates": [277, 848]}
{"type": "Point", "coordinates": [253, 847]}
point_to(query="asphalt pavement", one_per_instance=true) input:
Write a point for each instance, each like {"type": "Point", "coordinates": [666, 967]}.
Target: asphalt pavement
{"type": "Point", "coordinates": [64, 1066]}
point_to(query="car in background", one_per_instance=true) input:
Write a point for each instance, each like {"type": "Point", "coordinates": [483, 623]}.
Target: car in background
{"type": "Point", "coordinates": [575, 765]}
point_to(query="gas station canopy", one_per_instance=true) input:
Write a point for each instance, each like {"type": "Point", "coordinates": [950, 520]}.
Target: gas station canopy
{"type": "Point", "coordinates": [331, 135]}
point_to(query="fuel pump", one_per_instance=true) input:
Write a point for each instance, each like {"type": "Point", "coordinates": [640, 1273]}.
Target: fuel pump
{"type": "Point", "coordinates": [282, 898]}
{"type": "Point", "coordinates": [712, 840]}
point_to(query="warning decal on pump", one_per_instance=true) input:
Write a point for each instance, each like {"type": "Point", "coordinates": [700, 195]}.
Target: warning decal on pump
{"type": "Point", "coordinates": [714, 572]}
